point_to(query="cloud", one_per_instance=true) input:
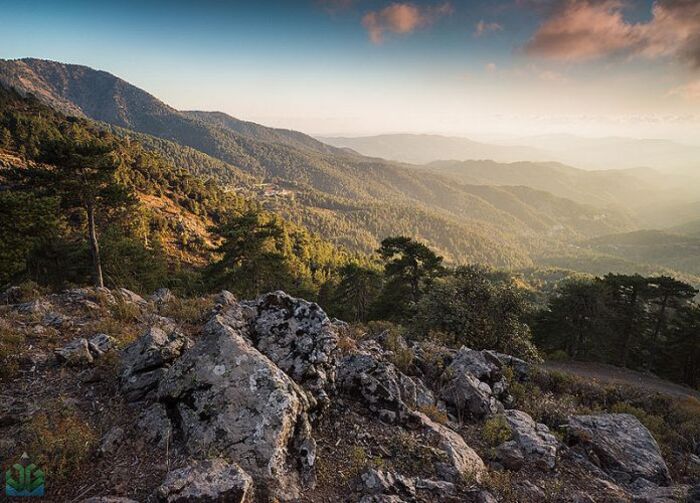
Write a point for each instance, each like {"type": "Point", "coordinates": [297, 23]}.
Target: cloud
{"type": "Point", "coordinates": [690, 91]}
{"type": "Point", "coordinates": [577, 30]}
{"type": "Point", "coordinates": [402, 18]}
{"type": "Point", "coordinates": [491, 67]}
{"type": "Point", "coordinates": [482, 28]}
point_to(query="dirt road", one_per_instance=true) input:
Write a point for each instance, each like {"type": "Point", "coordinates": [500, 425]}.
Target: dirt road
{"type": "Point", "coordinates": [608, 374]}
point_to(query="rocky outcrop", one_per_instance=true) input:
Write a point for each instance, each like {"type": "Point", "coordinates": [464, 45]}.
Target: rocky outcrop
{"type": "Point", "coordinates": [474, 384]}
{"type": "Point", "coordinates": [224, 396]}
{"type": "Point", "coordinates": [210, 481]}
{"type": "Point", "coordinates": [461, 461]}
{"type": "Point", "coordinates": [621, 445]}
{"type": "Point", "coordinates": [300, 339]}
{"type": "Point", "coordinates": [533, 439]}
{"type": "Point", "coordinates": [144, 362]}
{"type": "Point", "coordinates": [84, 351]}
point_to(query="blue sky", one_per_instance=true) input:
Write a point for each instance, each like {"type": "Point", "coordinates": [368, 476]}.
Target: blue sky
{"type": "Point", "coordinates": [365, 66]}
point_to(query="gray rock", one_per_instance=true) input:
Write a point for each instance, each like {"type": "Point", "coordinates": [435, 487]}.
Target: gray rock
{"type": "Point", "coordinates": [622, 445]}
{"type": "Point", "coordinates": [693, 494]}
{"type": "Point", "coordinates": [383, 482]}
{"type": "Point", "coordinates": [99, 344]}
{"type": "Point", "coordinates": [474, 383]}
{"type": "Point", "coordinates": [144, 361]}
{"type": "Point", "coordinates": [375, 382]}
{"type": "Point", "coordinates": [437, 487]}
{"type": "Point", "coordinates": [225, 298]}
{"type": "Point", "coordinates": [521, 368]}
{"type": "Point", "coordinates": [300, 339]}
{"type": "Point", "coordinates": [155, 426]}
{"type": "Point", "coordinates": [414, 393]}
{"type": "Point", "coordinates": [227, 397]}
{"type": "Point", "coordinates": [131, 297]}
{"type": "Point", "coordinates": [534, 439]}
{"type": "Point", "coordinates": [108, 499]}
{"type": "Point", "coordinates": [382, 498]}
{"type": "Point", "coordinates": [510, 455]}
{"type": "Point", "coordinates": [461, 460]}
{"type": "Point", "coordinates": [75, 353]}
{"type": "Point", "coordinates": [210, 481]}
{"type": "Point", "coordinates": [35, 307]}
{"type": "Point", "coordinates": [161, 296]}
{"type": "Point", "coordinates": [111, 441]}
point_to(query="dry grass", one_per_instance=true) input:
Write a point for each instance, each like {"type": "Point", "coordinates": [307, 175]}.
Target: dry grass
{"type": "Point", "coordinates": [11, 343]}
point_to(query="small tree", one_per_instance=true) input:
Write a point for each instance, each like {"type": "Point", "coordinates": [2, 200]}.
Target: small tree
{"type": "Point", "coordinates": [357, 290]}
{"type": "Point", "coordinates": [85, 177]}
{"type": "Point", "coordinates": [409, 262]}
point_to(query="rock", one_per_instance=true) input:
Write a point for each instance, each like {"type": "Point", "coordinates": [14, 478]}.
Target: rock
{"type": "Point", "coordinates": [111, 440]}
{"type": "Point", "coordinates": [225, 396]}
{"type": "Point", "coordinates": [225, 298]}
{"type": "Point", "coordinates": [155, 426]}
{"type": "Point", "coordinates": [144, 361]}
{"type": "Point", "coordinates": [108, 499]}
{"type": "Point", "coordinates": [131, 297]}
{"type": "Point", "coordinates": [461, 460]}
{"type": "Point", "coordinates": [437, 487]}
{"type": "Point", "coordinates": [373, 381]}
{"type": "Point", "coordinates": [36, 307]}
{"type": "Point", "coordinates": [693, 494]}
{"type": "Point", "coordinates": [83, 351]}
{"type": "Point", "coordinates": [75, 353]}
{"type": "Point", "coordinates": [474, 383]}
{"type": "Point", "coordinates": [414, 393]}
{"type": "Point", "coordinates": [485, 497]}
{"type": "Point", "coordinates": [99, 344]}
{"type": "Point", "coordinates": [213, 480]}
{"type": "Point", "coordinates": [382, 498]}
{"type": "Point", "coordinates": [534, 439]}
{"type": "Point", "coordinates": [521, 368]}
{"type": "Point", "coordinates": [622, 445]}
{"type": "Point", "coordinates": [300, 339]}
{"type": "Point", "coordinates": [161, 296]}
{"type": "Point", "coordinates": [510, 455]}
{"type": "Point", "coordinates": [53, 319]}
{"type": "Point", "coordinates": [531, 491]}
{"type": "Point", "coordinates": [644, 491]}
{"type": "Point", "coordinates": [11, 295]}
{"type": "Point", "coordinates": [382, 482]}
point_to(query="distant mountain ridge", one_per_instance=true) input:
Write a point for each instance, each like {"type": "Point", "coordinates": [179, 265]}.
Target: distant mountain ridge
{"type": "Point", "coordinates": [424, 148]}
{"type": "Point", "coordinates": [588, 153]}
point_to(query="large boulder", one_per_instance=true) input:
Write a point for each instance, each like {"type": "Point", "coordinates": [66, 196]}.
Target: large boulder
{"type": "Point", "coordinates": [623, 446]}
{"type": "Point", "coordinates": [300, 339]}
{"type": "Point", "coordinates": [144, 362]}
{"type": "Point", "coordinates": [210, 481]}
{"type": "Point", "coordinates": [225, 396]}
{"type": "Point", "coordinates": [474, 384]}
{"type": "Point", "coordinates": [533, 439]}
{"type": "Point", "coordinates": [375, 382]}
{"type": "Point", "coordinates": [461, 461]}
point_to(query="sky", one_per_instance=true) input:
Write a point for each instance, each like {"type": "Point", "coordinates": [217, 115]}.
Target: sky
{"type": "Point", "coordinates": [479, 68]}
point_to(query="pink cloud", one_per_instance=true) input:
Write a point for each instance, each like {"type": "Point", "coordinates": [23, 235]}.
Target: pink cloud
{"type": "Point", "coordinates": [690, 91]}
{"type": "Point", "coordinates": [578, 30]}
{"type": "Point", "coordinates": [483, 27]}
{"type": "Point", "coordinates": [401, 18]}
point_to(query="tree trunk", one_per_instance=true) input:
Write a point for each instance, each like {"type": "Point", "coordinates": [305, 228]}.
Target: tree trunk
{"type": "Point", "coordinates": [94, 247]}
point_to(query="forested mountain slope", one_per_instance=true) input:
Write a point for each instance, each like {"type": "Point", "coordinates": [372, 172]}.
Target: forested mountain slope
{"type": "Point", "coordinates": [350, 199]}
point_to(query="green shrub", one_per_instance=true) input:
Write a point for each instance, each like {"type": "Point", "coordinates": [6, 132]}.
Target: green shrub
{"type": "Point", "coordinates": [496, 431]}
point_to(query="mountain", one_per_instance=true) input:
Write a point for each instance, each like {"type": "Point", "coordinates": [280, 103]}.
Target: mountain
{"type": "Point", "coordinates": [630, 188]}
{"type": "Point", "coordinates": [618, 153]}
{"type": "Point", "coordinates": [347, 198]}
{"type": "Point", "coordinates": [422, 149]}
{"type": "Point", "coordinates": [588, 153]}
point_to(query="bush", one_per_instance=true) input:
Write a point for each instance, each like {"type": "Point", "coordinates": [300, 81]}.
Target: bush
{"type": "Point", "coordinates": [496, 430]}
{"type": "Point", "coordinates": [60, 441]}
{"type": "Point", "coordinates": [11, 342]}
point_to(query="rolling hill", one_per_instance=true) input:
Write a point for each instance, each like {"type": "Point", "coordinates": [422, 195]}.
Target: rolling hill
{"type": "Point", "coordinates": [346, 197]}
